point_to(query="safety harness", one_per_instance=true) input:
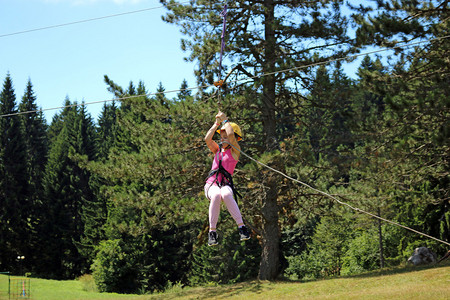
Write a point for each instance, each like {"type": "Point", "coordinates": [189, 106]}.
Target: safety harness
{"type": "Point", "coordinates": [227, 179]}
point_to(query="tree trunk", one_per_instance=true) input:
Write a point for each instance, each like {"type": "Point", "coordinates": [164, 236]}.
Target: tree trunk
{"type": "Point", "coordinates": [380, 240]}
{"type": "Point", "coordinates": [269, 121]}
{"type": "Point", "coordinates": [268, 269]}
{"type": "Point", "coordinates": [270, 232]}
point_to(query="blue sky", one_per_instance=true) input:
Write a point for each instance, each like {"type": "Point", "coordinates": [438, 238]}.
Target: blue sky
{"type": "Point", "coordinates": [72, 60]}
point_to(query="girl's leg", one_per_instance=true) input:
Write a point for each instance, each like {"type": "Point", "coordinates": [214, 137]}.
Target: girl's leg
{"type": "Point", "coordinates": [227, 196]}
{"type": "Point", "coordinates": [212, 192]}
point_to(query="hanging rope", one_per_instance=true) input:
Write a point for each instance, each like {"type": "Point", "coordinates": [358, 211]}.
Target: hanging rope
{"type": "Point", "coordinates": [219, 83]}
{"type": "Point", "coordinates": [224, 27]}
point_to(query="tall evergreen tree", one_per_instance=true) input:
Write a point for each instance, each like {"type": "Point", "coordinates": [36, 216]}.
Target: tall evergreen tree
{"type": "Point", "coordinates": [107, 129]}
{"type": "Point", "coordinates": [160, 95]}
{"type": "Point", "coordinates": [35, 127]}
{"type": "Point", "coordinates": [93, 206]}
{"type": "Point", "coordinates": [264, 37]}
{"type": "Point", "coordinates": [55, 227]}
{"type": "Point", "coordinates": [58, 121]}
{"type": "Point", "coordinates": [68, 194]}
{"type": "Point", "coordinates": [36, 141]}
{"type": "Point", "coordinates": [123, 114]}
{"type": "Point", "coordinates": [15, 205]}
{"type": "Point", "coordinates": [141, 90]}
{"type": "Point", "coordinates": [184, 91]}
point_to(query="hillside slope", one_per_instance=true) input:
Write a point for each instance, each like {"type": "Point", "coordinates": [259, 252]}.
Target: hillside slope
{"type": "Point", "coordinates": [406, 283]}
{"type": "Point", "coordinates": [398, 283]}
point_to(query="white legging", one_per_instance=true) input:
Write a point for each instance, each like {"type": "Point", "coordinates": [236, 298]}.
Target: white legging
{"type": "Point", "coordinates": [216, 194]}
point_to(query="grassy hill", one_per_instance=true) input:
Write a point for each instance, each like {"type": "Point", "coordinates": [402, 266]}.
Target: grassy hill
{"type": "Point", "coordinates": [398, 283]}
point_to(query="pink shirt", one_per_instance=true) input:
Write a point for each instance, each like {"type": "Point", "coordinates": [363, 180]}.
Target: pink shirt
{"type": "Point", "coordinates": [228, 162]}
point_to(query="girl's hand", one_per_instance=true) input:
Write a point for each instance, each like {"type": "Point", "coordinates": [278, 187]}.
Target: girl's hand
{"type": "Point", "coordinates": [221, 117]}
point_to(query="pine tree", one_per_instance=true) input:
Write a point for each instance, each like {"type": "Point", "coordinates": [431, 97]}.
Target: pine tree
{"type": "Point", "coordinates": [123, 115]}
{"type": "Point", "coordinates": [107, 129]}
{"type": "Point", "coordinates": [146, 183]}
{"type": "Point", "coordinates": [415, 110]}
{"type": "Point", "coordinates": [93, 206]}
{"type": "Point", "coordinates": [141, 90]}
{"type": "Point", "coordinates": [58, 121]}
{"type": "Point", "coordinates": [264, 37]}
{"type": "Point", "coordinates": [55, 227]}
{"type": "Point", "coordinates": [35, 127]}
{"type": "Point", "coordinates": [15, 203]}
{"type": "Point", "coordinates": [160, 95]}
{"type": "Point", "coordinates": [36, 141]}
{"type": "Point", "coordinates": [184, 91]}
{"type": "Point", "coordinates": [69, 194]}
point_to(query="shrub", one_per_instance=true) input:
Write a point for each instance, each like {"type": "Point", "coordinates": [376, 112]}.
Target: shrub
{"type": "Point", "coordinates": [324, 254]}
{"type": "Point", "coordinates": [88, 283]}
{"type": "Point", "coordinates": [115, 268]}
{"type": "Point", "coordinates": [362, 254]}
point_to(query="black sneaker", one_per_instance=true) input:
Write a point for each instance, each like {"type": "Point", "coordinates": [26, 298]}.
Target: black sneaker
{"type": "Point", "coordinates": [243, 233]}
{"type": "Point", "coordinates": [212, 238]}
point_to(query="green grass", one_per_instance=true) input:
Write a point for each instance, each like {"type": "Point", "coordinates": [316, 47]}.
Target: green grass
{"type": "Point", "coordinates": [397, 283]}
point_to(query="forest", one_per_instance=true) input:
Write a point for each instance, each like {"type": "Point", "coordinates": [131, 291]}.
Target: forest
{"type": "Point", "coordinates": [122, 197]}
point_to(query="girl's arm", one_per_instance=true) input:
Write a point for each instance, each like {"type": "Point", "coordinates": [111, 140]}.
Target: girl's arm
{"type": "Point", "coordinates": [230, 134]}
{"type": "Point", "coordinates": [209, 135]}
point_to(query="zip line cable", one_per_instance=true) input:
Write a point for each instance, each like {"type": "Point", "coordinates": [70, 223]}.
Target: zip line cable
{"type": "Point", "coordinates": [86, 20]}
{"type": "Point", "coordinates": [234, 81]}
{"type": "Point", "coordinates": [89, 20]}
{"type": "Point", "coordinates": [101, 101]}
{"type": "Point", "coordinates": [337, 200]}
{"type": "Point", "coordinates": [346, 57]}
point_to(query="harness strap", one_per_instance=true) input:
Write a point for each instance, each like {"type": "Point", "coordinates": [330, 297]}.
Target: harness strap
{"type": "Point", "coordinates": [227, 179]}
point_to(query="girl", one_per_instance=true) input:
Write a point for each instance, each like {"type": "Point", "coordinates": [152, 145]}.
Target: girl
{"type": "Point", "coordinates": [219, 184]}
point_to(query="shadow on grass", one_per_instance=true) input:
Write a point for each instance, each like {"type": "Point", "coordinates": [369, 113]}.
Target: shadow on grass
{"type": "Point", "coordinates": [398, 270]}
{"type": "Point", "coordinates": [382, 272]}
{"type": "Point", "coordinates": [217, 291]}
{"type": "Point", "coordinates": [259, 287]}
